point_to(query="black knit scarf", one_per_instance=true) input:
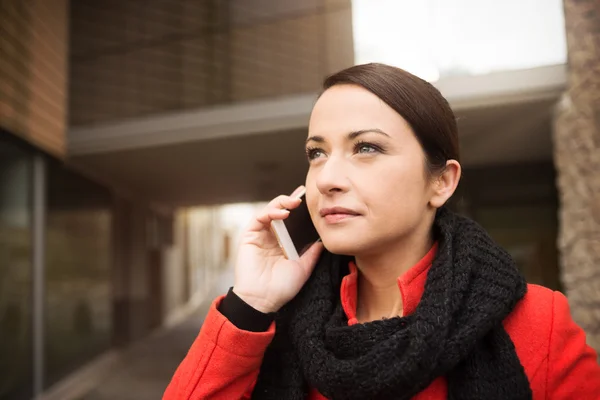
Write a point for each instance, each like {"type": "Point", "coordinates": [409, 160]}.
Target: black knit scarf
{"type": "Point", "coordinates": [456, 331]}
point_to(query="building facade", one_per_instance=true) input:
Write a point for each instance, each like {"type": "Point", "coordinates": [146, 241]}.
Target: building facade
{"type": "Point", "coordinates": [124, 126]}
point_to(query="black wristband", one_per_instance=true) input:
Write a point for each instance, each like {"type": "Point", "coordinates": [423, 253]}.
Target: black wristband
{"type": "Point", "coordinates": [243, 315]}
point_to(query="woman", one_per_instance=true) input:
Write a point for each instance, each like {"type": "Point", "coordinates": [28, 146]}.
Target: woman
{"type": "Point", "coordinates": [407, 300]}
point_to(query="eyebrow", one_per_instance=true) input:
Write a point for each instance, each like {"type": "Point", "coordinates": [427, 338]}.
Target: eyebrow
{"type": "Point", "coordinates": [351, 136]}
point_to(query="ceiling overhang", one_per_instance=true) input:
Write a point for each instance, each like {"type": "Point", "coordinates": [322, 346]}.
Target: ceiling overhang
{"type": "Point", "coordinates": [289, 113]}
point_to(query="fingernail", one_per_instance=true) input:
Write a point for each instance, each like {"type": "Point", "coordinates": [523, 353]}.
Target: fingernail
{"type": "Point", "coordinates": [298, 190]}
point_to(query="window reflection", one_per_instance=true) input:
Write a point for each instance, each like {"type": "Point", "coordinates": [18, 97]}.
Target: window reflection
{"type": "Point", "coordinates": [15, 273]}
{"type": "Point", "coordinates": [78, 294]}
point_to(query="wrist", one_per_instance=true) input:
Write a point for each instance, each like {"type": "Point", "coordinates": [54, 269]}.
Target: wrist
{"type": "Point", "coordinates": [244, 316]}
{"type": "Point", "coordinates": [256, 302]}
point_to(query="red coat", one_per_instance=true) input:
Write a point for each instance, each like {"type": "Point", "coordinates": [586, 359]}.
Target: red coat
{"type": "Point", "coordinates": [224, 361]}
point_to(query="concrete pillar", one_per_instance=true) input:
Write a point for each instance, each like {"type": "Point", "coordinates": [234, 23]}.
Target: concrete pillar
{"type": "Point", "coordinates": [577, 160]}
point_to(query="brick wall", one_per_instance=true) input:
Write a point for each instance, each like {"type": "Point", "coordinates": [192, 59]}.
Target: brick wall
{"type": "Point", "coordinates": [33, 48]}
{"type": "Point", "coordinates": [130, 59]}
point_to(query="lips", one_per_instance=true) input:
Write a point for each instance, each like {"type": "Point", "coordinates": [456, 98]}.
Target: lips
{"type": "Point", "coordinates": [336, 215]}
{"type": "Point", "coordinates": [337, 210]}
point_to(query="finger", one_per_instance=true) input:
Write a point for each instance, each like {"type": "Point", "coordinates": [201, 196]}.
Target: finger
{"type": "Point", "coordinates": [273, 214]}
{"type": "Point", "coordinates": [276, 209]}
{"type": "Point", "coordinates": [284, 201]}
{"type": "Point", "coordinates": [308, 260]}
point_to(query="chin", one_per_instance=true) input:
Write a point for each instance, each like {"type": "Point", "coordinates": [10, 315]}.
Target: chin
{"type": "Point", "coordinates": [343, 245]}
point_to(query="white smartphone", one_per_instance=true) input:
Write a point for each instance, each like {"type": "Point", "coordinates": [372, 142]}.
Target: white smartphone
{"type": "Point", "coordinates": [297, 232]}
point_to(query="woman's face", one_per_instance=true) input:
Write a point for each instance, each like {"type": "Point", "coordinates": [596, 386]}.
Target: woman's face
{"type": "Point", "coordinates": [367, 186]}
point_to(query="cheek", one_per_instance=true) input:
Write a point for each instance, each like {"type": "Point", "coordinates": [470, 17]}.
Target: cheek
{"type": "Point", "coordinates": [398, 190]}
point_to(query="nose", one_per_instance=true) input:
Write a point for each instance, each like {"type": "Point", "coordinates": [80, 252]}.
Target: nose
{"type": "Point", "coordinates": [331, 176]}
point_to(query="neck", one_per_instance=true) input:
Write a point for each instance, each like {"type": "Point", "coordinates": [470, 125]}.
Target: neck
{"type": "Point", "coordinates": [378, 293]}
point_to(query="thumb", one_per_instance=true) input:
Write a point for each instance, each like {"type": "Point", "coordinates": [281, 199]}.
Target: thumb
{"type": "Point", "coordinates": [309, 258]}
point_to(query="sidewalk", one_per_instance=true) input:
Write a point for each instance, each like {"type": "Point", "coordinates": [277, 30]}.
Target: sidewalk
{"type": "Point", "coordinates": [149, 366]}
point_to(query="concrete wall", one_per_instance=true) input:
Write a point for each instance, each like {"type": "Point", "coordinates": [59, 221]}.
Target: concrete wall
{"type": "Point", "coordinates": [577, 160]}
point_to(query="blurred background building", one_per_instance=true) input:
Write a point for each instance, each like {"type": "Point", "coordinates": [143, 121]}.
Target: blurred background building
{"type": "Point", "coordinates": [137, 137]}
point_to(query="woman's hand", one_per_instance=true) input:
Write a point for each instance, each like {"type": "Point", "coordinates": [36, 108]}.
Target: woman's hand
{"type": "Point", "coordinates": [264, 278]}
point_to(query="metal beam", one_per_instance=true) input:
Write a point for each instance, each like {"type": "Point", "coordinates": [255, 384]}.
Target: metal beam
{"type": "Point", "coordinates": [38, 271]}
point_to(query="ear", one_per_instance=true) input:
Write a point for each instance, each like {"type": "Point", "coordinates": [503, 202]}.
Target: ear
{"type": "Point", "coordinates": [445, 184]}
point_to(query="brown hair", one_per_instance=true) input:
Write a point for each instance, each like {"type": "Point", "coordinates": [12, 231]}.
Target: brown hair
{"type": "Point", "coordinates": [416, 100]}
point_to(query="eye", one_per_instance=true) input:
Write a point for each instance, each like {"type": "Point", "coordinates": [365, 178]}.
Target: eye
{"type": "Point", "coordinates": [366, 148]}
{"type": "Point", "coordinates": [313, 152]}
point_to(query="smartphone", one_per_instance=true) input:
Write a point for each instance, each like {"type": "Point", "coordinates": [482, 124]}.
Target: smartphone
{"type": "Point", "coordinates": [297, 232]}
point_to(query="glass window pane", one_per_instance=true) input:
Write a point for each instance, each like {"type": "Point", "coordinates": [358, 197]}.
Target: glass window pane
{"type": "Point", "coordinates": [78, 287]}
{"type": "Point", "coordinates": [15, 272]}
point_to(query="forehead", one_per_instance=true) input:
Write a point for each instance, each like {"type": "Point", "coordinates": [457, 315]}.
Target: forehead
{"type": "Point", "coordinates": [347, 108]}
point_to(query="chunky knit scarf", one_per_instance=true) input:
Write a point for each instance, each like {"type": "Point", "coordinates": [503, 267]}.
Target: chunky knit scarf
{"type": "Point", "coordinates": [456, 331]}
